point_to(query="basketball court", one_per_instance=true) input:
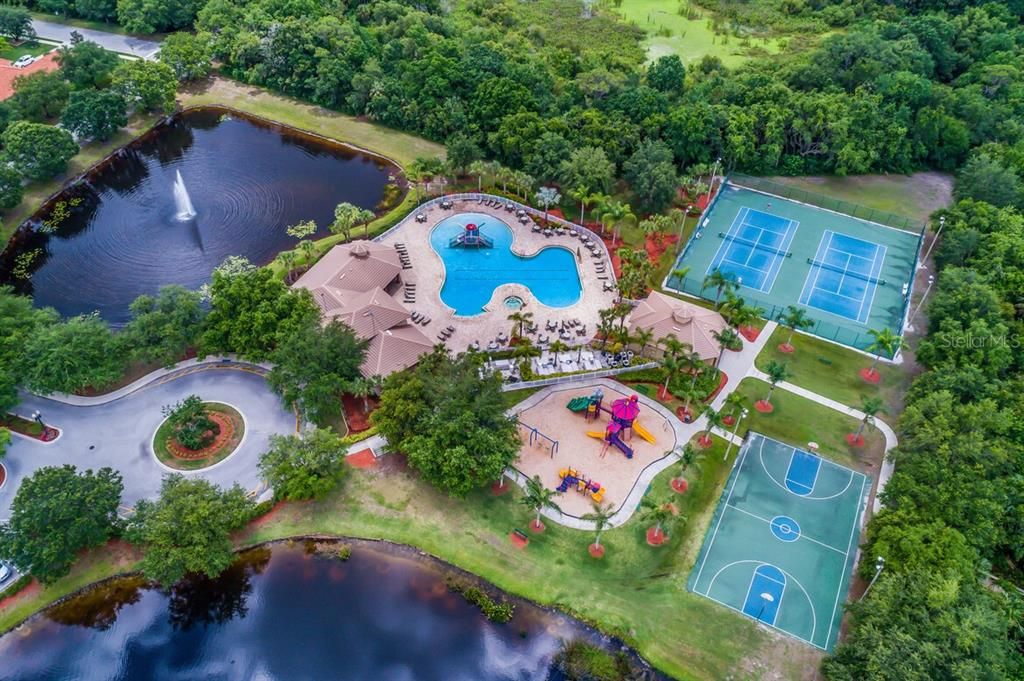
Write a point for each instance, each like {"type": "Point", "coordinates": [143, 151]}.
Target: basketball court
{"type": "Point", "coordinates": [781, 546]}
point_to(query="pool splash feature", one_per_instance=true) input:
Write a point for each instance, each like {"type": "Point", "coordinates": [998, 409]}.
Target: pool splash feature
{"type": "Point", "coordinates": [514, 303]}
{"type": "Point", "coordinates": [473, 274]}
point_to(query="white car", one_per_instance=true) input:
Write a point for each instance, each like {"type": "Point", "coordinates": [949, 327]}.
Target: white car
{"type": "Point", "coordinates": [23, 61]}
{"type": "Point", "coordinates": [5, 572]}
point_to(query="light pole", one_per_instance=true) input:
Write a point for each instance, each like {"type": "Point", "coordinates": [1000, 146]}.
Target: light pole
{"type": "Point", "coordinates": [38, 418]}
{"type": "Point", "coordinates": [924, 261]}
{"type": "Point", "coordinates": [910, 320]}
{"type": "Point", "coordinates": [728, 448]}
{"type": "Point", "coordinates": [879, 564]}
{"type": "Point", "coordinates": [714, 171]}
{"type": "Point", "coordinates": [766, 598]}
{"type": "Point", "coordinates": [682, 225]}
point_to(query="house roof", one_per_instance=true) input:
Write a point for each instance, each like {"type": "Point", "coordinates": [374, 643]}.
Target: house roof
{"type": "Point", "coordinates": [9, 73]}
{"type": "Point", "coordinates": [356, 266]}
{"type": "Point", "coordinates": [689, 323]}
{"type": "Point", "coordinates": [395, 349]}
{"type": "Point", "coordinates": [372, 311]}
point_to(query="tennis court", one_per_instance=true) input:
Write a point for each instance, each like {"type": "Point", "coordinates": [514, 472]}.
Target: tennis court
{"type": "Point", "coordinates": [850, 275]}
{"type": "Point", "coordinates": [781, 545]}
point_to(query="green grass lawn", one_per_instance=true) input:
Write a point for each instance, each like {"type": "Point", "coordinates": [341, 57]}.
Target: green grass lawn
{"type": "Point", "coordinates": [636, 591]}
{"type": "Point", "coordinates": [398, 146]}
{"type": "Point", "coordinates": [916, 196]}
{"type": "Point", "coordinates": [832, 371]}
{"type": "Point", "coordinates": [33, 49]}
{"type": "Point", "coordinates": [797, 421]}
{"type": "Point", "coordinates": [668, 32]}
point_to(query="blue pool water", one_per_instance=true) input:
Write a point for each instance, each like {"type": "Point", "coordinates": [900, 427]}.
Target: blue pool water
{"type": "Point", "coordinates": [472, 274]}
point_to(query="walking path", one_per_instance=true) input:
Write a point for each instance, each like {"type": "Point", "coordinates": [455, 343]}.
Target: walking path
{"type": "Point", "coordinates": [117, 430]}
{"type": "Point", "coordinates": [115, 42]}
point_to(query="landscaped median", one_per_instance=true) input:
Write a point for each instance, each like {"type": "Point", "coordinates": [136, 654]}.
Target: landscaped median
{"type": "Point", "coordinates": [226, 428]}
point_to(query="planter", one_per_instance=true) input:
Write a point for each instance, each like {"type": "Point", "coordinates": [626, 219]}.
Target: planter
{"type": "Point", "coordinates": [596, 551]}
{"type": "Point", "coordinates": [872, 376]}
{"type": "Point", "coordinates": [680, 485]}
{"type": "Point", "coordinates": [786, 348]}
{"type": "Point", "coordinates": [855, 440]}
{"type": "Point", "coordinates": [764, 407]}
{"type": "Point", "coordinates": [656, 536]}
{"type": "Point", "coordinates": [536, 527]}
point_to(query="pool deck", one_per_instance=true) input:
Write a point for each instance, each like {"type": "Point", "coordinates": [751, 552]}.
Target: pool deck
{"type": "Point", "coordinates": [428, 274]}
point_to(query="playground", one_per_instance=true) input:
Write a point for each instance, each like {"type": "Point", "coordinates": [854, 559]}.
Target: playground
{"type": "Point", "coordinates": [591, 442]}
{"type": "Point", "coordinates": [781, 546]}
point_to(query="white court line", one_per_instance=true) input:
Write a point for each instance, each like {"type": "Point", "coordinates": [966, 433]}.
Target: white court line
{"type": "Point", "coordinates": [817, 471]}
{"type": "Point", "coordinates": [787, 242]}
{"type": "Point", "coordinates": [754, 575]}
{"type": "Point", "coordinates": [803, 535]}
{"type": "Point", "coordinates": [874, 290]}
{"type": "Point", "coordinates": [736, 476]}
{"type": "Point", "coordinates": [808, 290]}
{"type": "Point", "coordinates": [782, 486]}
{"type": "Point", "coordinates": [845, 582]}
{"type": "Point", "coordinates": [719, 256]}
{"type": "Point", "coordinates": [810, 603]}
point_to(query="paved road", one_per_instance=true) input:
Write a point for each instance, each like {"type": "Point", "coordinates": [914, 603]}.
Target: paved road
{"type": "Point", "coordinates": [121, 433]}
{"type": "Point", "coordinates": [125, 44]}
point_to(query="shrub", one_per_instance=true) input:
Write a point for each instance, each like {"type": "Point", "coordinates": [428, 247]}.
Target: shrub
{"type": "Point", "coordinates": [495, 611]}
{"type": "Point", "coordinates": [193, 428]}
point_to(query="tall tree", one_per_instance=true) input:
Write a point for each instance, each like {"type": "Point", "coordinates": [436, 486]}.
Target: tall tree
{"type": "Point", "coordinates": [188, 54]}
{"type": "Point", "coordinates": [165, 326]}
{"type": "Point", "coordinates": [78, 353]}
{"type": "Point", "coordinates": [95, 114]}
{"type": "Point", "coordinates": [145, 85]}
{"type": "Point", "coordinates": [537, 497]}
{"type": "Point", "coordinates": [40, 97]}
{"type": "Point", "coordinates": [84, 64]}
{"type": "Point", "coordinates": [188, 528]}
{"type": "Point", "coordinates": [38, 151]}
{"type": "Point", "coordinates": [56, 513]}
{"type": "Point", "coordinates": [305, 466]}
{"type": "Point", "coordinates": [651, 172]}
{"type": "Point", "coordinates": [347, 216]}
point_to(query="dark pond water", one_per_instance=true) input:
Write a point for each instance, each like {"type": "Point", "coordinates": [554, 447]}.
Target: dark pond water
{"type": "Point", "coordinates": [122, 236]}
{"type": "Point", "coordinates": [286, 614]}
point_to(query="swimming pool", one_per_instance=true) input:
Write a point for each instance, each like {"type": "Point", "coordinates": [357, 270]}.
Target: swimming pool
{"type": "Point", "coordinates": [472, 274]}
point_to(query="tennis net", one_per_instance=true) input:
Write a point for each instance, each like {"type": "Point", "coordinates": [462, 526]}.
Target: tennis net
{"type": "Point", "coordinates": [843, 270]}
{"type": "Point", "coordinates": [755, 244]}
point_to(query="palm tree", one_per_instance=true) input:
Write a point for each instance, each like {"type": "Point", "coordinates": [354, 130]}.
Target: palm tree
{"type": "Point", "coordinates": [727, 339]}
{"type": "Point", "coordinates": [687, 457]}
{"type": "Point", "coordinates": [582, 194]}
{"type": "Point", "coordinates": [745, 315]}
{"type": "Point", "coordinates": [884, 342]}
{"type": "Point", "coordinates": [777, 373]}
{"type": "Point", "coordinates": [287, 259]}
{"type": "Point", "coordinates": [657, 514]}
{"type": "Point", "coordinates": [793, 318]}
{"type": "Point", "coordinates": [613, 214]}
{"type": "Point", "coordinates": [547, 197]}
{"type": "Point", "coordinates": [362, 388]}
{"type": "Point", "coordinates": [538, 497]}
{"type": "Point", "coordinates": [715, 420]}
{"type": "Point", "coordinates": [600, 516]}
{"type": "Point", "coordinates": [672, 345]}
{"type": "Point", "coordinates": [694, 363]}
{"type": "Point", "coordinates": [680, 274]}
{"type": "Point", "coordinates": [478, 169]}
{"type": "Point", "coordinates": [871, 406]}
{"type": "Point", "coordinates": [308, 249]}
{"type": "Point", "coordinates": [622, 311]}
{"type": "Point", "coordinates": [558, 346]}
{"type": "Point", "coordinates": [734, 402]}
{"type": "Point", "coordinates": [671, 364]}
{"type": "Point", "coordinates": [721, 283]}
{"type": "Point", "coordinates": [520, 318]}
{"type": "Point", "coordinates": [525, 349]}
{"type": "Point", "coordinates": [643, 337]}
{"type": "Point", "coordinates": [346, 216]}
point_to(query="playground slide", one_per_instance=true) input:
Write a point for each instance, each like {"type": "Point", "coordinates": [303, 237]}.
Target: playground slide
{"type": "Point", "coordinates": [643, 432]}
{"type": "Point", "coordinates": [621, 445]}
{"type": "Point", "coordinates": [599, 434]}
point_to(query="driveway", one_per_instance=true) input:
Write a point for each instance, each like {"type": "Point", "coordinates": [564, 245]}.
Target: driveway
{"type": "Point", "coordinates": [115, 42]}
{"type": "Point", "coordinates": [118, 434]}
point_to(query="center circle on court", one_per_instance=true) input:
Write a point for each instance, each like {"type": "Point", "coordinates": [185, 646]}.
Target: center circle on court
{"type": "Point", "coordinates": [785, 528]}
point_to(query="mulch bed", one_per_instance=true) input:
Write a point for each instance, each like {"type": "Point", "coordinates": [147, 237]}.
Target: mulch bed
{"type": "Point", "coordinates": [226, 431]}
{"type": "Point", "coordinates": [750, 332]}
{"type": "Point", "coordinates": [358, 419]}
{"type": "Point", "coordinates": [499, 488]}
{"type": "Point", "coordinates": [596, 551]}
{"type": "Point", "coordinates": [536, 527]}
{"type": "Point", "coordinates": [764, 407]}
{"type": "Point", "coordinates": [705, 441]}
{"type": "Point", "coordinates": [656, 247]}
{"type": "Point", "coordinates": [3, 475]}
{"type": "Point", "coordinates": [855, 440]}
{"type": "Point", "coordinates": [656, 537]}
{"type": "Point", "coordinates": [21, 426]}
{"type": "Point", "coordinates": [871, 376]}
{"type": "Point", "coordinates": [680, 485]}
{"type": "Point", "coordinates": [722, 380]}
{"type": "Point", "coordinates": [517, 541]}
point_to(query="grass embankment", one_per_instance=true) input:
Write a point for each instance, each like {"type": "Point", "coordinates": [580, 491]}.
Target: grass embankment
{"type": "Point", "coordinates": [93, 152]}
{"type": "Point", "coordinates": [166, 431]}
{"type": "Point", "coordinates": [31, 48]}
{"type": "Point", "coordinates": [797, 421]}
{"type": "Point", "coordinates": [832, 371]}
{"type": "Point", "coordinates": [692, 37]}
{"type": "Point", "coordinates": [636, 591]}
{"type": "Point", "coordinates": [916, 196]}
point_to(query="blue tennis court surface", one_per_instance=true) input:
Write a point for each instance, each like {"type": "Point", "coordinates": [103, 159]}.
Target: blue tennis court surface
{"type": "Point", "coordinates": [753, 249]}
{"type": "Point", "coordinates": [844, 276]}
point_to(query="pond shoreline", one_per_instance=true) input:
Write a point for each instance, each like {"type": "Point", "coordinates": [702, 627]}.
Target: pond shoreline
{"type": "Point", "coordinates": [313, 544]}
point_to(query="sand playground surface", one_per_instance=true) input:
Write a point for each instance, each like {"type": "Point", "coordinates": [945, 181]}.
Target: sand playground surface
{"type": "Point", "coordinates": [615, 473]}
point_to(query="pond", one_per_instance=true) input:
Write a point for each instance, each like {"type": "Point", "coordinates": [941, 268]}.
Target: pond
{"type": "Point", "coordinates": [170, 206]}
{"type": "Point", "coordinates": [286, 613]}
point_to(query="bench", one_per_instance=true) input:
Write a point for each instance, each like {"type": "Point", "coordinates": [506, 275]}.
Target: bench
{"type": "Point", "coordinates": [825, 360]}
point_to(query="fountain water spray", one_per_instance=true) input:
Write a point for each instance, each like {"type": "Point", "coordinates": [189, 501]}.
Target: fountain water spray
{"type": "Point", "coordinates": [182, 201]}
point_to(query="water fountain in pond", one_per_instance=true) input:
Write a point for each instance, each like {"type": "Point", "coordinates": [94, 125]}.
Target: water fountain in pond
{"type": "Point", "coordinates": [182, 201]}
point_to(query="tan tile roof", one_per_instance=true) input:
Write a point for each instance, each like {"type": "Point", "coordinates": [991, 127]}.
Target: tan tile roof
{"type": "Point", "coordinates": [691, 324]}
{"type": "Point", "coordinates": [356, 266]}
{"type": "Point", "coordinates": [371, 312]}
{"type": "Point", "coordinates": [8, 73]}
{"type": "Point", "coordinates": [395, 349]}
